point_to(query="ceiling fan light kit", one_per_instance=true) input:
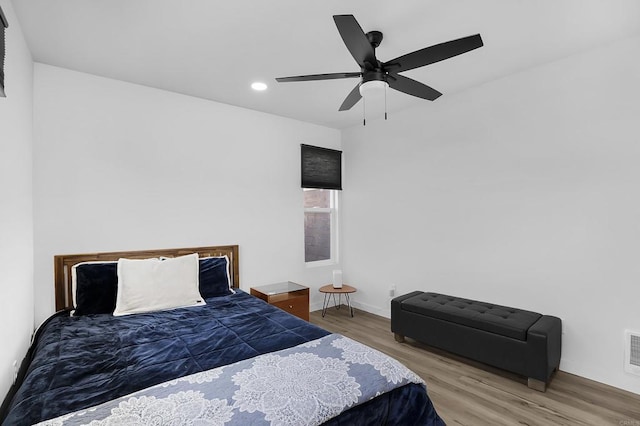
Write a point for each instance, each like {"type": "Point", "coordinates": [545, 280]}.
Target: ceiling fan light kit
{"type": "Point", "coordinates": [371, 88]}
{"type": "Point", "coordinates": [376, 76]}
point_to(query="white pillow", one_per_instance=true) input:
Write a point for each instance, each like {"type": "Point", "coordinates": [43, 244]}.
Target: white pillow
{"type": "Point", "coordinates": [146, 285]}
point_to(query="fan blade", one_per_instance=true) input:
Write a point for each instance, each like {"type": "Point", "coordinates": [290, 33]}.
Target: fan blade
{"type": "Point", "coordinates": [352, 98]}
{"type": "Point", "coordinates": [312, 77]}
{"type": "Point", "coordinates": [412, 87]}
{"type": "Point", "coordinates": [355, 40]}
{"type": "Point", "coordinates": [435, 53]}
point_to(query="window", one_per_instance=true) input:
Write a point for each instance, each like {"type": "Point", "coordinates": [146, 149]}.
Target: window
{"type": "Point", "coordinates": [321, 172]}
{"type": "Point", "coordinates": [320, 225]}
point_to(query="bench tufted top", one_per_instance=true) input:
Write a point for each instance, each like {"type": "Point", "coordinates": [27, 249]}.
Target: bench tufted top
{"type": "Point", "coordinates": [509, 322]}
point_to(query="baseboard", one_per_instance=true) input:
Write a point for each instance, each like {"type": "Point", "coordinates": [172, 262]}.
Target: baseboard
{"type": "Point", "coordinates": [386, 313]}
{"type": "Point", "coordinates": [383, 312]}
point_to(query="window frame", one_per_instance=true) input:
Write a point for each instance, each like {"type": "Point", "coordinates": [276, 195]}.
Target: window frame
{"type": "Point", "coordinates": [333, 225]}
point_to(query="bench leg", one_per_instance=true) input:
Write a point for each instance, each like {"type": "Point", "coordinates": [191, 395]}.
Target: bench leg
{"type": "Point", "coordinates": [536, 384]}
{"type": "Point", "coordinates": [399, 337]}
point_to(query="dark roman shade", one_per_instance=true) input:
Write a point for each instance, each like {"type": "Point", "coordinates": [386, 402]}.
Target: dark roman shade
{"type": "Point", "coordinates": [321, 167]}
{"type": "Point", "coordinates": [3, 24]}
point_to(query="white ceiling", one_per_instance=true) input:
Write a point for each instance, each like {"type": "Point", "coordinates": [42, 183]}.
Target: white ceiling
{"type": "Point", "coordinates": [214, 49]}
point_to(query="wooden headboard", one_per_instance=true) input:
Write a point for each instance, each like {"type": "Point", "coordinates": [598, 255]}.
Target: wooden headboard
{"type": "Point", "coordinates": [64, 262]}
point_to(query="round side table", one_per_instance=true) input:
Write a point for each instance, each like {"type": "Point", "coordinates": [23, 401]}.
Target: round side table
{"type": "Point", "coordinates": [329, 291]}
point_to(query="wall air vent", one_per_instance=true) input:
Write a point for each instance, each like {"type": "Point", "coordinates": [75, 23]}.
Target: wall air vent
{"type": "Point", "coordinates": [632, 352]}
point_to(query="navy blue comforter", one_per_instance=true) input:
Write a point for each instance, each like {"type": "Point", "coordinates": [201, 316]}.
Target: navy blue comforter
{"type": "Point", "coordinates": [80, 362]}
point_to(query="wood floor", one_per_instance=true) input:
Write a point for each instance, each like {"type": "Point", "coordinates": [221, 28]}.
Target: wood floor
{"type": "Point", "coordinates": [468, 393]}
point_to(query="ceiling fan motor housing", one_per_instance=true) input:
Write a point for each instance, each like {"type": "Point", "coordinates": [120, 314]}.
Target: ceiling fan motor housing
{"type": "Point", "coordinates": [376, 75]}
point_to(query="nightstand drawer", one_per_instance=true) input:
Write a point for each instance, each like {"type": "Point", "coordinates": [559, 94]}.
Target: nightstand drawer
{"type": "Point", "coordinates": [298, 306]}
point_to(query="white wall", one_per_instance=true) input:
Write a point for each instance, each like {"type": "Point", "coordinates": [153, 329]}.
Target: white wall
{"type": "Point", "coordinates": [124, 167]}
{"type": "Point", "coordinates": [16, 214]}
{"type": "Point", "coordinates": [521, 192]}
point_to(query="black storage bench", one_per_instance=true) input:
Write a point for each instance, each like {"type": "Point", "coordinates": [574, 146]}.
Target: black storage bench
{"type": "Point", "coordinates": [519, 341]}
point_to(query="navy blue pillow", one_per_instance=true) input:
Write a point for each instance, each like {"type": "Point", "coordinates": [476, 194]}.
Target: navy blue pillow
{"type": "Point", "coordinates": [96, 288]}
{"type": "Point", "coordinates": [214, 277]}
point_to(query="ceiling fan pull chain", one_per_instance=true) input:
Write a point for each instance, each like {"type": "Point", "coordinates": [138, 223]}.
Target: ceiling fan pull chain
{"type": "Point", "coordinates": [364, 112]}
{"type": "Point", "coordinates": [385, 102]}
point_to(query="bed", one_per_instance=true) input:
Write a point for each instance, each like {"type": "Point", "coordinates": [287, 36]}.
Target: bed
{"type": "Point", "coordinates": [227, 359]}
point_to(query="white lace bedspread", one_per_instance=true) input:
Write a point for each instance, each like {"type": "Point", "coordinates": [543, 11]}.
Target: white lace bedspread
{"type": "Point", "coordinates": [304, 385]}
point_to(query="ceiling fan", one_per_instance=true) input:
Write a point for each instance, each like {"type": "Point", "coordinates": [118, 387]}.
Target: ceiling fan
{"type": "Point", "coordinates": [375, 73]}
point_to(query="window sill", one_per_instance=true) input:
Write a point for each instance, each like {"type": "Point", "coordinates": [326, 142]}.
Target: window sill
{"type": "Point", "coordinates": [320, 263]}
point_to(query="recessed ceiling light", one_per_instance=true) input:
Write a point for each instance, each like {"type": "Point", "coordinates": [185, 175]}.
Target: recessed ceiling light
{"type": "Point", "coordinates": [258, 86]}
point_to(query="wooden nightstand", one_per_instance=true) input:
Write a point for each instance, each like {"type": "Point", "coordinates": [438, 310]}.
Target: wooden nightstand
{"type": "Point", "coordinates": [288, 296]}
